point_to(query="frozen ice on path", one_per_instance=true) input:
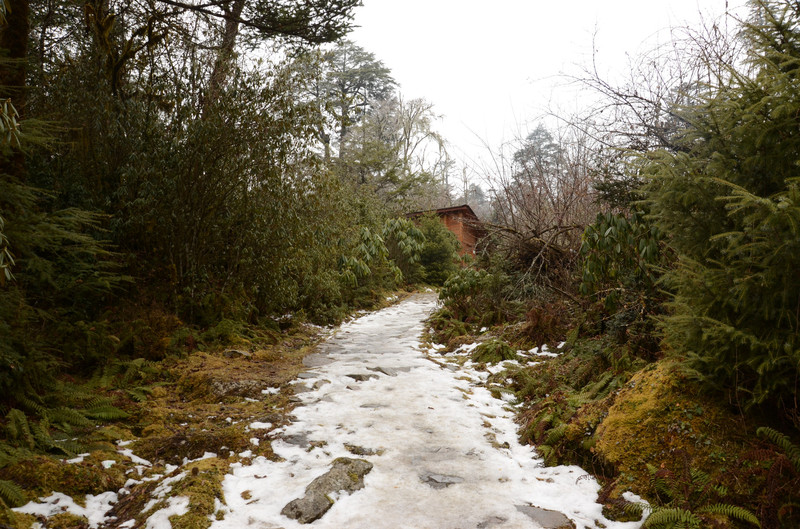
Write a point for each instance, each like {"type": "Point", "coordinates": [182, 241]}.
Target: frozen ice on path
{"type": "Point", "coordinates": [421, 425]}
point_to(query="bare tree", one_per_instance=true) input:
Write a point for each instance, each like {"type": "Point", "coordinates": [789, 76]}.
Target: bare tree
{"type": "Point", "coordinates": [543, 199]}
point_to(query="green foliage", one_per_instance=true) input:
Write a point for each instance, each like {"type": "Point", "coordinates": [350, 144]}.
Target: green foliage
{"type": "Point", "coordinates": [405, 243]}
{"type": "Point", "coordinates": [791, 450]}
{"type": "Point", "coordinates": [493, 351]}
{"type": "Point", "coordinates": [11, 493]}
{"type": "Point", "coordinates": [685, 501]}
{"type": "Point", "coordinates": [620, 255]}
{"type": "Point", "coordinates": [729, 202]}
{"type": "Point", "coordinates": [439, 257]}
{"type": "Point", "coordinates": [475, 295]}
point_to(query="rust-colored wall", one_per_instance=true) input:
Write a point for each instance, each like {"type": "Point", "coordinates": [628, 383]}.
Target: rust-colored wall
{"type": "Point", "coordinates": [467, 236]}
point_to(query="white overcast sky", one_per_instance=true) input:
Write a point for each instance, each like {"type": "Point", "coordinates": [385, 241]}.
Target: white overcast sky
{"type": "Point", "coordinates": [492, 67]}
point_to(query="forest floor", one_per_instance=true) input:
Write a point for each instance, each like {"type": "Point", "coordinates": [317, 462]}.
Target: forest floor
{"type": "Point", "coordinates": [372, 427]}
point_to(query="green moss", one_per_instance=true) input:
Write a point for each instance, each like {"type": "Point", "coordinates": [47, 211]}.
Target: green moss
{"type": "Point", "coordinates": [15, 519]}
{"type": "Point", "coordinates": [493, 351]}
{"type": "Point", "coordinates": [41, 475]}
{"type": "Point", "coordinates": [202, 489]}
{"type": "Point", "coordinates": [67, 520]}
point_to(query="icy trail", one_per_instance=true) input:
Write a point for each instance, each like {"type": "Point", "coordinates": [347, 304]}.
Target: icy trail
{"type": "Point", "coordinates": [446, 452]}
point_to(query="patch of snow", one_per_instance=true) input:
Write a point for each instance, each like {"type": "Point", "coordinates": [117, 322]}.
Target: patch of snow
{"type": "Point", "coordinates": [260, 425]}
{"type": "Point", "coordinates": [270, 391]}
{"type": "Point", "coordinates": [136, 460]}
{"type": "Point", "coordinates": [206, 455]}
{"type": "Point", "coordinates": [108, 463]}
{"type": "Point", "coordinates": [78, 459]}
{"type": "Point", "coordinates": [634, 498]}
{"type": "Point", "coordinates": [467, 347]}
{"type": "Point", "coordinates": [95, 511]}
{"type": "Point", "coordinates": [176, 506]}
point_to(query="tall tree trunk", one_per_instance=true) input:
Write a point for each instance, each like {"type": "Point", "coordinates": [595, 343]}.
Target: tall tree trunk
{"type": "Point", "coordinates": [14, 41]}
{"type": "Point", "coordinates": [222, 64]}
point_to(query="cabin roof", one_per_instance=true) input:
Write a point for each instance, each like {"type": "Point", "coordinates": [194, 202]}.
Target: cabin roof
{"type": "Point", "coordinates": [464, 208]}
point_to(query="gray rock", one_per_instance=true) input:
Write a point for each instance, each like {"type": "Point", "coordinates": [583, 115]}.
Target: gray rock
{"type": "Point", "coordinates": [491, 521]}
{"type": "Point", "coordinates": [319, 383]}
{"type": "Point", "coordinates": [236, 353]}
{"type": "Point", "coordinates": [388, 371]}
{"type": "Point", "coordinates": [546, 518]}
{"type": "Point", "coordinates": [317, 360]}
{"type": "Point", "coordinates": [361, 377]}
{"type": "Point", "coordinates": [440, 481]}
{"type": "Point", "coordinates": [236, 388]}
{"type": "Point", "coordinates": [300, 440]}
{"type": "Point", "coordinates": [307, 375]}
{"type": "Point", "coordinates": [345, 475]}
{"type": "Point", "coordinates": [359, 450]}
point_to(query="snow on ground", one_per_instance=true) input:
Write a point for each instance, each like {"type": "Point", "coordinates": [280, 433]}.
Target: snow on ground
{"type": "Point", "coordinates": [421, 421]}
{"type": "Point", "coordinates": [424, 422]}
{"type": "Point", "coordinates": [95, 509]}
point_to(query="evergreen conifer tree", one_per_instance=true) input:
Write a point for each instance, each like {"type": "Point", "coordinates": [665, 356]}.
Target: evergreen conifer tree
{"type": "Point", "coordinates": [729, 201]}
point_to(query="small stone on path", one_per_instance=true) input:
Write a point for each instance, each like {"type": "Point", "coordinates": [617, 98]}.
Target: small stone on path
{"type": "Point", "coordinates": [388, 371]}
{"type": "Point", "coordinates": [491, 521]}
{"type": "Point", "coordinates": [297, 440]}
{"type": "Point", "coordinates": [546, 518]}
{"type": "Point", "coordinates": [361, 377]}
{"type": "Point", "coordinates": [345, 475]}
{"type": "Point", "coordinates": [359, 450]}
{"type": "Point", "coordinates": [440, 481]}
{"type": "Point", "coordinates": [317, 360]}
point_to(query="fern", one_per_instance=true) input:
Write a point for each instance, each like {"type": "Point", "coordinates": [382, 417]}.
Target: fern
{"type": "Point", "coordinates": [140, 393]}
{"type": "Point", "coordinates": [672, 518]}
{"type": "Point", "coordinates": [105, 413]}
{"type": "Point", "coordinates": [731, 511]}
{"type": "Point", "coordinates": [18, 429]}
{"type": "Point", "coordinates": [11, 493]}
{"type": "Point", "coordinates": [68, 447]}
{"type": "Point", "coordinates": [65, 418]}
{"type": "Point", "coordinates": [41, 434]}
{"type": "Point", "coordinates": [791, 450]}
{"type": "Point", "coordinates": [556, 434]}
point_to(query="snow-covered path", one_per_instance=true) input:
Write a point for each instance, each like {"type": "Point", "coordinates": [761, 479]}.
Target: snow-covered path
{"type": "Point", "coordinates": [445, 452]}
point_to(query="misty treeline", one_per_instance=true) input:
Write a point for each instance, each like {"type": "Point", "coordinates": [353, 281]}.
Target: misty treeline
{"type": "Point", "coordinates": [169, 163]}
{"type": "Point", "coordinates": [667, 215]}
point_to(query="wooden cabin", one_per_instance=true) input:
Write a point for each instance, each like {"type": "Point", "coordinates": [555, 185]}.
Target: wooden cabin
{"type": "Point", "coordinates": [460, 220]}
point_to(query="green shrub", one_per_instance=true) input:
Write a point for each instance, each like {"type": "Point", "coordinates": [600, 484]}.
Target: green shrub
{"type": "Point", "coordinates": [493, 351]}
{"type": "Point", "coordinates": [439, 257]}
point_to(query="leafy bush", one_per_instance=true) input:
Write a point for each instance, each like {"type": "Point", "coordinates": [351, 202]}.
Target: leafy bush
{"type": "Point", "coordinates": [474, 295]}
{"type": "Point", "coordinates": [439, 256]}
